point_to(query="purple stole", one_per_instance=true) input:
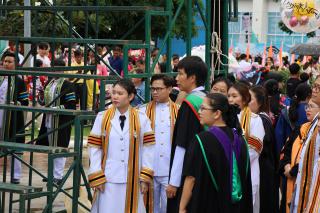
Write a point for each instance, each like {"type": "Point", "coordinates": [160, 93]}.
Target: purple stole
{"type": "Point", "coordinates": [228, 146]}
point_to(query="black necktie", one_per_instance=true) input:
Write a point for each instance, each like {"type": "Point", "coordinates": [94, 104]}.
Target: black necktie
{"type": "Point", "coordinates": [122, 119]}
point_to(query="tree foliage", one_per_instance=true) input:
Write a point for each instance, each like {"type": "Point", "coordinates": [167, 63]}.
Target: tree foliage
{"type": "Point", "coordinates": [111, 25]}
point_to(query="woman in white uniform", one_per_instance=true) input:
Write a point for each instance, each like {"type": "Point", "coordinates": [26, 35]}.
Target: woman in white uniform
{"type": "Point", "coordinates": [253, 130]}
{"type": "Point", "coordinates": [121, 146]}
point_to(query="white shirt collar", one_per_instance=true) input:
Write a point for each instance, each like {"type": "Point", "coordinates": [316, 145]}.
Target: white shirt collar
{"type": "Point", "coordinates": [117, 113]}
{"type": "Point", "coordinates": [197, 89]}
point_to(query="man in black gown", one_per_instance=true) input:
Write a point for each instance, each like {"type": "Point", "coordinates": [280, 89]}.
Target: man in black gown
{"type": "Point", "coordinates": [192, 74]}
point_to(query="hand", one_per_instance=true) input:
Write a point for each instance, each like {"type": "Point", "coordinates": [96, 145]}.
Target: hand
{"type": "Point", "coordinates": [287, 169]}
{"type": "Point", "coordinates": [171, 191]}
{"type": "Point", "coordinates": [144, 187]}
{"type": "Point", "coordinates": [100, 187]}
{"type": "Point", "coordinates": [182, 211]}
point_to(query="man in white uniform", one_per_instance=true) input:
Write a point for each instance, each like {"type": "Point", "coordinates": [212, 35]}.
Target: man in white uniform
{"type": "Point", "coordinates": [162, 112]}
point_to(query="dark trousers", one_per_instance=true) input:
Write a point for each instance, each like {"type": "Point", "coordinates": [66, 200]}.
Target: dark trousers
{"type": "Point", "coordinates": [81, 94]}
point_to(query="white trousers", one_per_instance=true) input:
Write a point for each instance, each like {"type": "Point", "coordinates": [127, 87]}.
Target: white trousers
{"type": "Point", "coordinates": [17, 168]}
{"type": "Point", "coordinates": [113, 199]}
{"type": "Point", "coordinates": [58, 167]}
{"type": "Point", "coordinates": [160, 196]}
{"type": "Point", "coordinates": [256, 198]}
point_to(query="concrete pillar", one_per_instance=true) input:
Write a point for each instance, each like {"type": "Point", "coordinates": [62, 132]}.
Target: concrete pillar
{"type": "Point", "coordinates": [260, 19]}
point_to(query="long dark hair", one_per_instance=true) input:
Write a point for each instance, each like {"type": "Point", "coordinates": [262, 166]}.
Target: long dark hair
{"type": "Point", "coordinates": [261, 96]}
{"type": "Point", "coordinates": [303, 91]}
{"type": "Point", "coordinates": [229, 112]}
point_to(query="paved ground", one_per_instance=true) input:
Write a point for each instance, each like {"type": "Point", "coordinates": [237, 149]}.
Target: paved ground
{"type": "Point", "coordinates": [40, 162]}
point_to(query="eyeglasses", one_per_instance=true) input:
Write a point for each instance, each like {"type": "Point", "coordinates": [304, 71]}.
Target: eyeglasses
{"type": "Point", "coordinates": [157, 89]}
{"type": "Point", "coordinates": [309, 106]}
{"type": "Point", "coordinates": [202, 108]}
{"type": "Point", "coordinates": [316, 87]}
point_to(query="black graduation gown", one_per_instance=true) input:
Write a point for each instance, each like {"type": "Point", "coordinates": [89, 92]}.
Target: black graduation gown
{"type": "Point", "coordinates": [23, 98]}
{"type": "Point", "coordinates": [186, 127]}
{"type": "Point", "coordinates": [268, 162]}
{"type": "Point", "coordinates": [205, 198]}
{"type": "Point", "coordinates": [64, 133]}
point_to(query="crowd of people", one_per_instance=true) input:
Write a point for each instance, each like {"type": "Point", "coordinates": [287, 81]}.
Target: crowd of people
{"type": "Point", "coordinates": [244, 145]}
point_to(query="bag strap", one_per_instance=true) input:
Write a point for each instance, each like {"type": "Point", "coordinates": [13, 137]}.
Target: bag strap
{"type": "Point", "coordinates": [207, 163]}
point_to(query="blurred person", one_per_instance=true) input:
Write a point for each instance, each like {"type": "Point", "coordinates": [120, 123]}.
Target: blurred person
{"type": "Point", "coordinates": [268, 160]}
{"type": "Point", "coordinates": [254, 133]}
{"type": "Point", "coordinates": [139, 84]}
{"type": "Point", "coordinates": [220, 85]}
{"type": "Point", "coordinates": [290, 155]}
{"type": "Point", "coordinates": [18, 96]}
{"type": "Point", "coordinates": [293, 116]}
{"type": "Point", "coordinates": [42, 54]}
{"type": "Point", "coordinates": [175, 62]}
{"type": "Point", "coordinates": [293, 80]}
{"type": "Point", "coordinates": [116, 61]}
{"type": "Point", "coordinates": [60, 94]}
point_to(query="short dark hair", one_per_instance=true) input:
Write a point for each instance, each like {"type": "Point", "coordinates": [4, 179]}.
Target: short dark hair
{"type": "Point", "coordinates": [43, 45]}
{"type": "Point", "coordinates": [243, 56]}
{"type": "Point", "coordinates": [175, 57]}
{"type": "Point", "coordinates": [77, 52]}
{"type": "Point", "coordinates": [261, 96]}
{"type": "Point", "coordinates": [59, 62]}
{"type": "Point", "coordinates": [167, 80]}
{"type": "Point", "coordinates": [9, 54]}
{"type": "Point", "coordinates": [116, 48]}
{"type": "Point", "coordinates": [221, 79]}
{"type": "Point", "coordinates": [127, 85]}
{"type": "Point", "coordinates": [304, 77]}
{"type": "Point", "coordinates": [38, 63]}
{"type": "Point", "coordinates": [193, 65]}
{"type": "Point", "coordinates": [243, 90]}
{"type": "Point", "coordinates": [294, 68]}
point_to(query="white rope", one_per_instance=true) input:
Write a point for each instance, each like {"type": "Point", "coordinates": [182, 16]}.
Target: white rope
{"type": "Point", "coordinates": [216, 42]}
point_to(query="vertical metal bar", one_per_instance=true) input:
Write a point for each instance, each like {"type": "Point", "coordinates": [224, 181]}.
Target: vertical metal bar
{"type": "Point", "coordinates": [50, 183]}
{"type": "Point", "coordinates": [148, 55]}
{"type": "Point", "coordinates": [102, 95]}
{"type": "Point", "coordinates": [189, 27]}
{"type": "Point", "coordinates": [208, 41]}
{"type": "Point", "coordinates": [224, 36]}
{"type": "Point", "coordinates": [235, 9]}
{"type": "Point", "coordinates": [76, 171]}
{"type": "Point", "coordinates": [169, 41]}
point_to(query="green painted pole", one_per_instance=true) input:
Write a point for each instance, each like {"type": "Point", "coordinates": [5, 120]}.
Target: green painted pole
{"type": "Point", "coordinates": [208, 41]}
{"type": "Point", "coordinates": [76, 172]}
{"type": "Point", "coordinates": [189, 27]}
{"type": "Point", "coordinates": [169, 41]}
{"type": "Point", "coordinates": [224, 36]}
{"type": "Point", "coordinates": [148, 55]}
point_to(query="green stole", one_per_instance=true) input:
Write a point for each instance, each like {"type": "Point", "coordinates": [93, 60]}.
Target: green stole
{"type": "Point", "coordinates": [48, 98]}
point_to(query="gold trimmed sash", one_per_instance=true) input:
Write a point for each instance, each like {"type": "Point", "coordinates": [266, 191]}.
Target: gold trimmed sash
{"type": "Point", "coordinates": [307, 172]}
{"type": "Point", "coordinates": [314, 205]}
{"type": "Point", "coordinates": [151, 114]}
{"type": "Point", "coordinates": [245, 121]}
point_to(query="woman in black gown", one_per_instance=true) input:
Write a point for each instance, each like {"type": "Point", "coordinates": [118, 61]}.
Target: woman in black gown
{"type": "Point", "coordinates": [217, 167]}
